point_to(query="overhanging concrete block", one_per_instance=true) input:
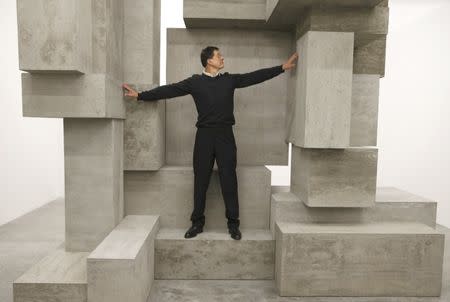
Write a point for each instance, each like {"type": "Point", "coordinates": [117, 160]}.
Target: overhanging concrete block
{"type": "Point", "coordinates": [93, 162]}
{"type": "Point", "coordinates": [319, 113]}
{"type": "Point", "coordinates": [334, 177]}
{"type": "Point", "coordinates": [54, 36]}
{"type": "Point", "coordinates": [71, 95]}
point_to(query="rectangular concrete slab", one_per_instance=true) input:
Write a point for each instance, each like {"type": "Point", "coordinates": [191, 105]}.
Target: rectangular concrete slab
{"type": "Point", "coordinates": [141, 41]}
{"type": "Point", "coordinates": [213, 254]}
{"type": "Point", "coordinates": [169, 192]}
{"type": "Point", "coordinates": [93, 166]}
{"type": "Point", "coordinates": [54, 36]}
{"type": "Point", "coordinates": [391, 205]}
{"type": "Point", "coordinates": [364, 116]}
{"type": "Point", "coordinates": [60, 96]}
{"type": "Point", "coordinates": [144, 133]}
{"type": "Point", "coordinates": [259, 110]}
{"type": "Point", "coordinates": [358, 259]}
{"type": "Point", "coordinates": [121, 268]}
{"type": "Point", "coordinates": [334, 177]}
{"type": "Point", "coordinates": [318, 114]}
{"type": "Point", "coordinates": [59, 276]}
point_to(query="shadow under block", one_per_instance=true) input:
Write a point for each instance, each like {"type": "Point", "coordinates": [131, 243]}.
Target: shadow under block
{"type": "Point", "coordinates": [319, 112]}
{"type": "Point", "coordinates": [141, 41]}
{"type": "Point", "coordinates": [60, 276]}
{"type": "Point", "coordinates": [93, 160]}
{"type": "Point", "coordinates": [213, 254]}
{"type": "Point", "coordinates": [358, 259]}
{"type": "Point", "coordinates": [259, 110]}
{"type": "Point", "coordinates": [144, 133]}
{"type": "Point", "coordinates": [54, 36]}
{"type": "Point", "coordinates": [169, 192]}
{"type": "Point", "coordinates": [391, 205]}
{"type": "Point", "coordinates": [364, 112]}
{"type": "Point", "coordinates": [121, 267]}
{"type": "Point", "coordinates": [70, 95]}
{"type": "Point", "coordinates": [334, 177]}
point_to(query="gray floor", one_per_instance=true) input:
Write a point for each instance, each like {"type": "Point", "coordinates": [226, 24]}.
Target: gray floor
{"type": "Point", "coordinates": [31, 237]}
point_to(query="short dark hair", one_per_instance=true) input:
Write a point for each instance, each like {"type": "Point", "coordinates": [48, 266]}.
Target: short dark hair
{"type": "Point", "coordinates": [207, 53]}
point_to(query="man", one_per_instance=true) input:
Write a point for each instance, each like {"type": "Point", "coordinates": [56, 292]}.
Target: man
{"type": "Point", "coordinates": [214, 140]}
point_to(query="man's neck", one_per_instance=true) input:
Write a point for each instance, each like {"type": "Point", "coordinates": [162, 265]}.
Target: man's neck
{"type": "Point", "coordinates": [212, 72]}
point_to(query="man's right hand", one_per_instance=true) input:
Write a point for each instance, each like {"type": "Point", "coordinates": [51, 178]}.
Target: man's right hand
{"type": "Point", "coordinates": [130, 91]}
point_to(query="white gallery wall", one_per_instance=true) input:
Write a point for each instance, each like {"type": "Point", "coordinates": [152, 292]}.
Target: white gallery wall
{"type": "Point", "coordinates": [413, 124]}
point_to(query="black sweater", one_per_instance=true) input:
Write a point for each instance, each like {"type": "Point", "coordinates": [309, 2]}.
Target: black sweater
{"type": "Point", "coordinates": [213, 96]}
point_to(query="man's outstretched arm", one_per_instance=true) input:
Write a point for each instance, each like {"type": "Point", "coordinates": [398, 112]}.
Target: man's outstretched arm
{"type": "Point", "coordinates": [241, 80]}
{"type": "Point", "coordinates": [168, 91]}
{"type": "Point", "coordinates": [261, 75]}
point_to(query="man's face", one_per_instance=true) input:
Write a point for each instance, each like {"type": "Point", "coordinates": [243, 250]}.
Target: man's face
{"type": "Point", "coordinates": [217, 60]}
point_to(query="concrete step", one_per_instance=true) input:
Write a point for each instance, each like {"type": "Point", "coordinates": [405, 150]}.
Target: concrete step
{"type": "Point", "coordinates": [391, 204]}
{"type": "Point", "coordinates": [169, 192]}
{"type": "Point", "coordinates": [213, 254]}
{"type": "Point", "coordinates": [60, 276]}
{"type": "Point", "coordinates": [121, 267]}
{"type": "Point", "coordinates": [358, 259]}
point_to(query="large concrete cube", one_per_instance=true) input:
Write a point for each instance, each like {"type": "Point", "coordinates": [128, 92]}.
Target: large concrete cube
{"type": "Point", "coordinates": [54, 36]}
{"type": "Point", "coordinates": [144, 134]}
{"type": "Point", "coordinates": [93, 159]}
{"type": "Point", "coordinates": [334, 177]}
{"type": "Point", "coordinates": [358, 259]}
{"type": "Point", "coordinates": [319, 112]}
{"type": "Point", "coordinates": [169, 192]}
{"type": "Point", "coordinates": [90, 95]}
{"type": "Point", "coordinates": [259, 110]}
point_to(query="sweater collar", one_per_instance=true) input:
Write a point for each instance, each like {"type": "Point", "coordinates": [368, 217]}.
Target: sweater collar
{"type": "Point", "coordinates": [210, 74]}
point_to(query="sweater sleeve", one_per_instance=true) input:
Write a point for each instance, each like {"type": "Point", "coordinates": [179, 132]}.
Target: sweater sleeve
{"type": "Point", "coordinates": [168, 91]}
{"type": "Point", "coordinates": [241, 80]}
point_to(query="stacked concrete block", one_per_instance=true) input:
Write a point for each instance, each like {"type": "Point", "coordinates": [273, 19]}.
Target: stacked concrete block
{"type": "Point", "coordinates": [54, 36]}
{"type": "Point", "coordinates": [93, 152]}
{"type": "Point", "coordinates": [169, 193]}
{"type": "Point", "coordinates": [358, 259]}
{"type": "Point", "coordinates": [121, 266]}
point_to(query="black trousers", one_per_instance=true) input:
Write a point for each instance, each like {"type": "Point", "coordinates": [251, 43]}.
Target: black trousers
{"type": "Point", "coordinates": [215, 144]}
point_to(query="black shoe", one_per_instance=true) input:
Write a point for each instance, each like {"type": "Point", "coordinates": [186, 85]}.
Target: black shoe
{"type": "Point", "coordinates": [235, 233]}
{"type": "Point", "coordinates": [193, 231]}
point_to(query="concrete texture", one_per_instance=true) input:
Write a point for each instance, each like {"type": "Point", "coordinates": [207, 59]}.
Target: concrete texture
{"type": "Point", "coordinates": [224, 14]}
{"type": "Point", "coordinates": [334, 177]}
{"type": "Point", "coordinates": [318, 115]}
{"type": "Point", "coordinates": [59, 276]}
{"type": "Point", "coordinates": [54, 36]}
{"type": "Point", "coordinates": [284, 13]}
{"type": "Point", "coordinates": [358, 259]}
{"type": "Point", "coordinates": [259, 110]}
{"type": "Point", "coordinates": [213, 254]}
{"type": "Point", "coordinates": [144, 134]}
{"type": "Point", "coordinates": [93, 165]}
{"type": "Point", "coordinates": [141, 41]}
{"type": "Point", "coordinates": [121, 267]}
{"type": "Point", "coordinates": [391, 205]}
{"type": "Point", "coordinates": [370, 55]}
{"type": "Point", "coordinates": [72, 95]}
{"type": "Point", "coordinates": [169, 192]}
{"type": "Point", "coordinates": [29, 238]}
{"type": "Point", "coordinates": [364, 112]}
